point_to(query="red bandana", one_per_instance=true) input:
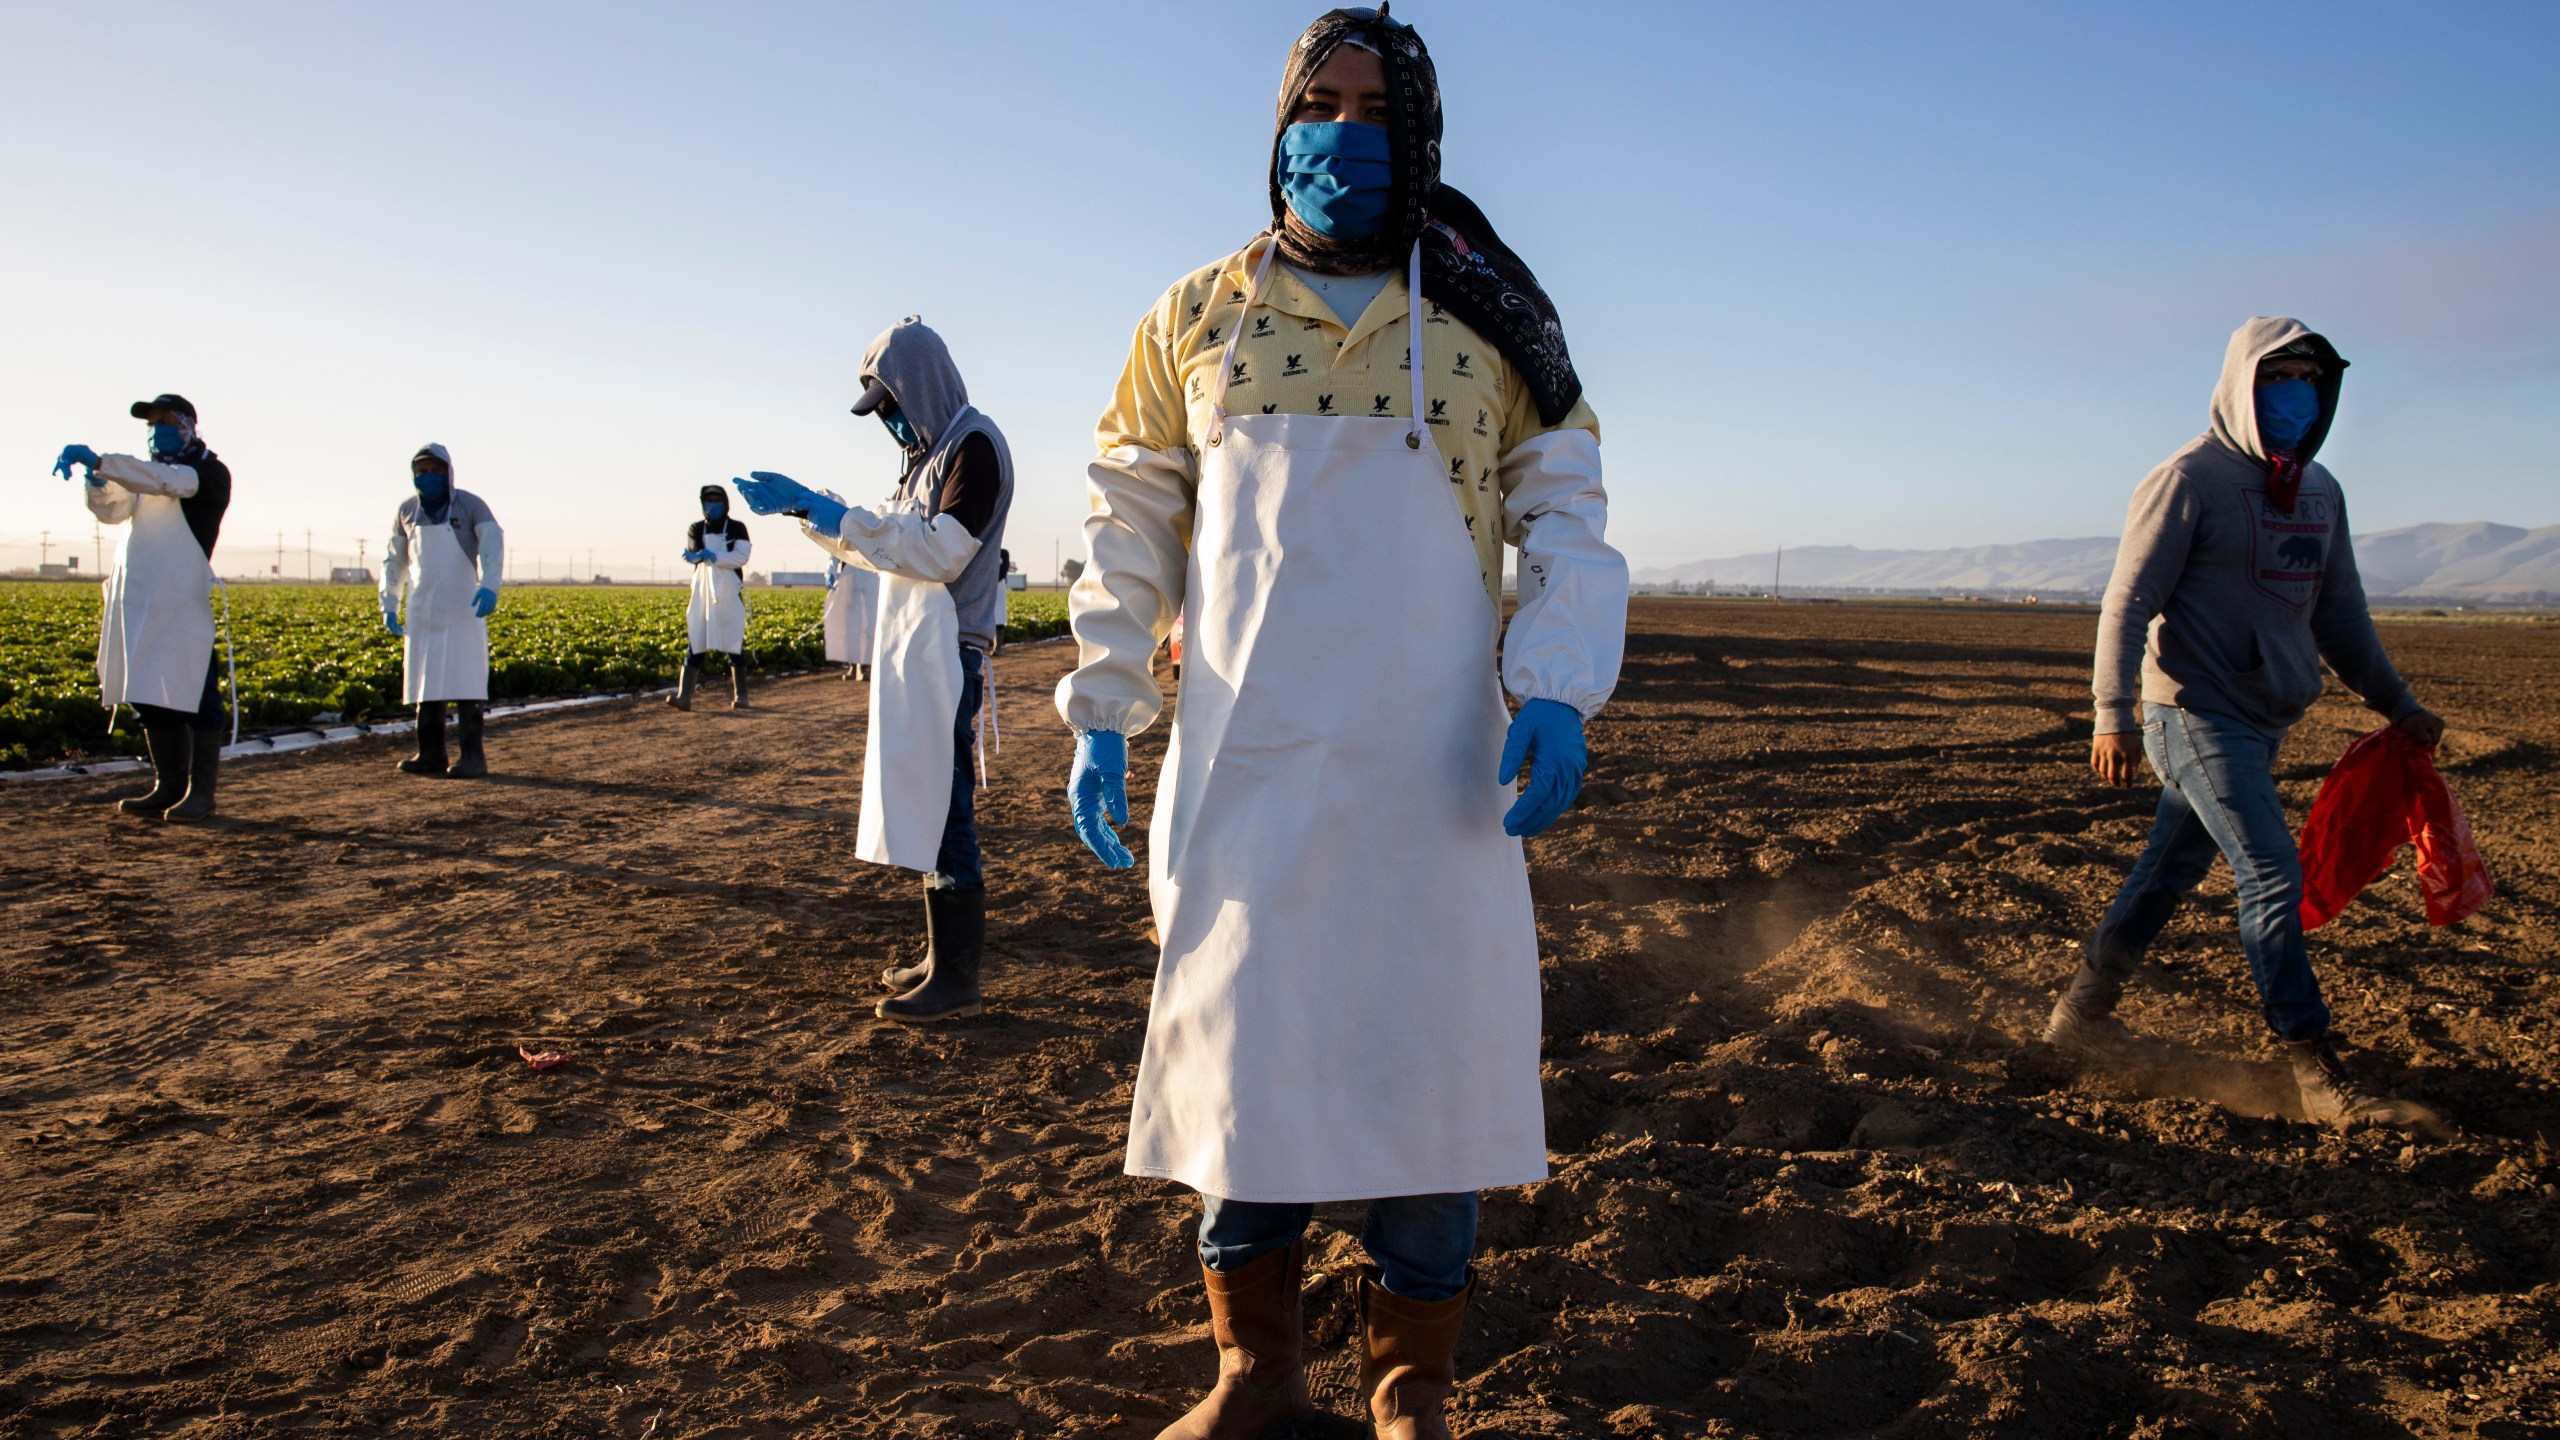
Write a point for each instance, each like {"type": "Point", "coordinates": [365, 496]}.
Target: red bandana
{"type": "Point", "coordinates": [2284, 480]}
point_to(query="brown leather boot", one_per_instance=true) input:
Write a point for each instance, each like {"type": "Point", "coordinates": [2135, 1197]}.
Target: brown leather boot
{"type": "Point", "coordinates": [1262, 1376]}
{"type": "Point", "coordinates": [1412, 1364]}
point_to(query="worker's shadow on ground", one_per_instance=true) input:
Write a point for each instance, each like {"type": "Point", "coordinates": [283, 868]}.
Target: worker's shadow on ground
{"type": "Point", "coordinates": [663, 795]}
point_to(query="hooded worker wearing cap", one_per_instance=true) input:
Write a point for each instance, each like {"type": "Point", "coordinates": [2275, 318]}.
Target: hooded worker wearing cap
{"type": "Point", "coordinates": [715, 614]}
{"type": "Point", "coordinates": [155, 635]}
{"type": "Point", "coordinates": [936, 546]}
{"type": "Point", "coordinates": [447, 557]}
{"type": "Point", "coordinates": [1318, 450]}
{"type": "Point", "coordinates": [2235, 581]}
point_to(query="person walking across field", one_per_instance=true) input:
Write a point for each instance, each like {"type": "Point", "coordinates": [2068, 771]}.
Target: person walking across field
{"type": "Point", "coordinates": [715, 613]}
{"type": "Point", "coordinates": [936, 548]}
{"type": "Point", "coordinates": [447, 557]}
{"type": "Point", "coordinates": [2235, 580]}
{"type": "Point", "coordinates": [1345, 420]}
{"type": "Point", "coordinates": [155, 634]}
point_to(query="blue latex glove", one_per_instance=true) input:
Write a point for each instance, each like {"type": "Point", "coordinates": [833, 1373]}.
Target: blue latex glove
{"type": "Point", "coordinates": [77, 455]}
{"type": "Point", "coordinates": [484, 602]}
{"type": "Point", "coordinates": [694, 557]}
{"type": "Point", "coordinates": [1547, 737]}
{"type": "Point", "coordinates": [1098, 795]}
{"type": "Point", "coordinates": [770, 493]}
{"type": "Point", "coordinates": [391, 622]}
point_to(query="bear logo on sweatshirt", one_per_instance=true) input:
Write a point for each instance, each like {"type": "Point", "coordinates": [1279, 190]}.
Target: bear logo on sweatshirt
{"type": "Point", "coordinates": [2299, 552]}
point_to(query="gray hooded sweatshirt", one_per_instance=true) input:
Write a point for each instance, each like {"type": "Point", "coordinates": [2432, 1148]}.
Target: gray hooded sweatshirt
{"type": "Point", "coordinates": [2221, 601]}
{"type": "Point", "coordinates": [911, 360]}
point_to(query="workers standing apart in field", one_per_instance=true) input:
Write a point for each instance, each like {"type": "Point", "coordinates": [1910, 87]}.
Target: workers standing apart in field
{"type": "Point", "coordinates": [1339, 424]}
{"type": "Point", "coordinates": [852, 611]}
{"type": "Point", "coordinates": [155, 635]}
{"type": "Point", "coordinates": [2236, 578]}
{"type": "Point", "coordinates": [448, 557]}
{"type": "Point", "coordinates": [936, 547]}
{"type": "Point", "coordinates": [715, 615]}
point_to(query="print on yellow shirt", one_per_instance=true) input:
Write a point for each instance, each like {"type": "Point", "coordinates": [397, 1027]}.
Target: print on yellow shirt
{"type": "Point", "coordinates": [1296, 358]}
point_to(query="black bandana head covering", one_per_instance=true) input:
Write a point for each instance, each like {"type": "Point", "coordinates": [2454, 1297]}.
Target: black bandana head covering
{"type": "Point", "coordinates": [1466, 269]}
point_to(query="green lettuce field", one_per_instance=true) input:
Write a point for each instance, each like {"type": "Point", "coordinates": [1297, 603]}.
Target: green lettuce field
{"type": "Point", "coordinates": [307, 650]}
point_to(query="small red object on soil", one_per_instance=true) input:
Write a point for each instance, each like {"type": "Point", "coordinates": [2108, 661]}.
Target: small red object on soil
{"type": "Point", "coordinates": [548, 1059]}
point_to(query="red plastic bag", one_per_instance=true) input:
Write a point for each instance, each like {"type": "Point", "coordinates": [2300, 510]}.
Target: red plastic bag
{"type": "Point", "coordinates": [2382, 794]}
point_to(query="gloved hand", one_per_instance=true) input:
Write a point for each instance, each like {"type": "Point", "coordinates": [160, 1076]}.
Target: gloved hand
{"type": "Point", "coordinates": [484, 602]}
{"type": "Point", "coordinates": [1546, 736]}
{"type": "Point", "coordinates": [1098, 795]}
{"type": "Point", "coordinates": [695, 557]}
{"type": "Point", "coordinates": [78, 455]}
{"type": "Point", "coordinates": [391, 622]}
{"type": "Point", "coordinates": [770, 493]}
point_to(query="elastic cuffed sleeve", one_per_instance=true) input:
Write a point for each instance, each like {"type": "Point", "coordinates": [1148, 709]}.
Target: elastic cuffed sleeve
{"type": "Point", "coordinates": [1570, 632]}
{"type": "Point", "coordinates": [2159, 531]}
{"type": "Point", "coordinates": [1137, 538]}
{"type": "Point", "coordinates": [395, 567]}
{"type": "Point", "coordinates": [904, 542]}
{"type": "Point", "coordinates": [149, 477]}
{"type": "Point", "coordinates": [112, 504]}
{"type": "Point", "coordinates": [735, 556]}
{"type": "Point", "coordinates": [493, 555]}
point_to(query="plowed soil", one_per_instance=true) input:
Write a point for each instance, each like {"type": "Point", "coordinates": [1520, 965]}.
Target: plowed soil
{"type": "Point", "coordinates": [271, 1163]}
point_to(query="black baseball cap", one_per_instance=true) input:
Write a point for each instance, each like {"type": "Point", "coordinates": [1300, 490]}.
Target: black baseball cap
{"type": "Point", "coordinates": [142, 408]}
{"type": "Point", "coordinates": [872, 395]}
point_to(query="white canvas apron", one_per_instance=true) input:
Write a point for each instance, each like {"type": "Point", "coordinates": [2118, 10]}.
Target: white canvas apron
{"type": "Point", "coordinates": [1347, 1005]}
{"type": "Point", "coordinates": [155, 630]}
{"type": "Point", "coordinates": [444, 652]}
{"type": "Point", "coordinates": [850, 614]}
{"type": "Point", "coordinates": [915, 700]}
{"type": "Point", "coordinates": [715, 614]}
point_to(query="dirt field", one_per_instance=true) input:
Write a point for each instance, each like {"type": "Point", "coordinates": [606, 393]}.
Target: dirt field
{"type": "Point", "coordinates": [270, 1163]}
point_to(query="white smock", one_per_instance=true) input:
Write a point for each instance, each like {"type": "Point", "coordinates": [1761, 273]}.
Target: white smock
{"type": "Point", "coordinates": [1347, 1005]}
{"type": "Point", "coordinates": [155, 630]}
{"type": "Point", "coordinates": [444, 648]}
{"type": "Point", "coordinates": [915, 697]}
{"type": "Point", "coordinates": [852, 610]}
{"type": "Point", "coordinates": [715, 614]}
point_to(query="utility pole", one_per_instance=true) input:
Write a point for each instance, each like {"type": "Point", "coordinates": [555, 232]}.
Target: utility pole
{"type": "Point", "coordinates": [98, 545]}
{"type": "Point", "coordinates": [1777, 570]}
{"type": "Point", "coordinates": [1057, 559]}
{"type": "Point", "coordinates": [278, 572]}
{"type": "Point", "coordinates": [306, 557]}
{"type": "Point", "coordinates": [44, 550]}
{"type": "Point", "coordinates": [591, 564]}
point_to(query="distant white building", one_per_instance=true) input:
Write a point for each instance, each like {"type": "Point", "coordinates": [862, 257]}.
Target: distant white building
{"type": "Point", "coordinates": [350, 575]}
{"type": "Point", "coordinates": [815, 579]}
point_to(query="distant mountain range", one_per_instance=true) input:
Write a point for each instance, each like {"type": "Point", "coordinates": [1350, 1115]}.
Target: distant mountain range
{"type": "Point", "coordinates": [2476, 562]}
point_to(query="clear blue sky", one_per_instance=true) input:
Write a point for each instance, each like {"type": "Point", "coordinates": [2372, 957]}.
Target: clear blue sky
{"type": "Point", "coordinates": [1878, 274]}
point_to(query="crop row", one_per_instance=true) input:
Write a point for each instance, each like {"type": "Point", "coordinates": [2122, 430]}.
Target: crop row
{"type": "Point", "coordinates": [309, 650]}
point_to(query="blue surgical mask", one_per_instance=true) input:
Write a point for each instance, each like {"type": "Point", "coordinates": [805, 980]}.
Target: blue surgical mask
{"type": "Point", "coordinates": [433, 486]}
{"type": "Point", "coordinates": [2286, 411]}
{"type": "Point", "coordinates": [900, 427]}
{"type": "Point", "coordinates": [1336, 175]}
{"type": "Point", "coordinates": [167, 440]}
{"type": "Point", "coordinates": [714, 511]}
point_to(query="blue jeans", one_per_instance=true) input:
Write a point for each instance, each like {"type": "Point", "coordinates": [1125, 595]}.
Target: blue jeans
{"type": "Point", "coordinates": [2218, 796]}
{"type": "Point", "coordinates": [956, 866]}
{"type": "Point", "coordinates": [1421, 1243]}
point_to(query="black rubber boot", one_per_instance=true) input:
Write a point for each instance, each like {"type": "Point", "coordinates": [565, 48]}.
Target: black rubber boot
{"type": "Point", "coordinates": [683, 698]}
{"type": "Point", "coordinates": [472, 764]}
{"type": "Point", "coordinates": [430, 759]}
{"type": "Point", "coordinates": [899, 979]}
{"type": "Point", "coordinates": [204, 767]}
{"type": "Point", "coordinates": [166, 742]}
{"type": "Point", "coordinates": [738, 681]}
{"type": "Point", "coordinates": [956, 921]}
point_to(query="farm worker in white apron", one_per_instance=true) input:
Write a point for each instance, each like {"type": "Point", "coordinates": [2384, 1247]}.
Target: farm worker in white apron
{"type": "Point", "coordinates": [155, 634]}
{"type": "Point", "coordinates": [935, 548]}
{"type": "Point", "coordinates": [449, 557]}
{"type": "Point", "coordinates": [853, 610]}
{"type": "Point", "coordinates": [715, 615]}
{"type": "Point", "coordinates": [1316, 451]}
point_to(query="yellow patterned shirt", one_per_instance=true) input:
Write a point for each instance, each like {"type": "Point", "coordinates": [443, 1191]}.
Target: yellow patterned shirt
{"type": "Point", "coordinates": [1295, 358]}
